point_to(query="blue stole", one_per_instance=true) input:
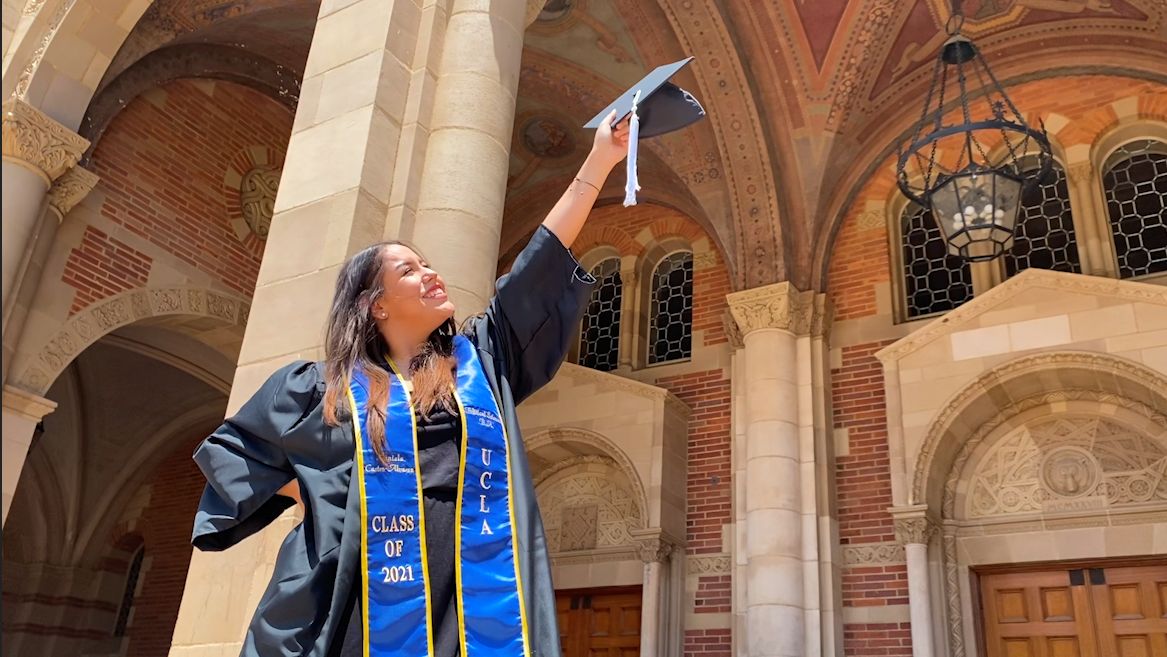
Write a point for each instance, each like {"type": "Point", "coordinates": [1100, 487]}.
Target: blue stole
{"type": "Point", "coordinates": [396, 602]}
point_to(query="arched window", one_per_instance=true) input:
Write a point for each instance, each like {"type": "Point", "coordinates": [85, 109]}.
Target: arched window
{"type": "Point", "coordinates": [1044, 237]}
{"type": "Point", "coordinates": [670, 317]}
{"type": "Point", "coordinates": [127, 605]}
{"type": "Point", "coordinates": [934, 279]}
{"type": "Point", "coordinates": [599, 344]}
{"type": "Point", "coordinates": [1135, 180]}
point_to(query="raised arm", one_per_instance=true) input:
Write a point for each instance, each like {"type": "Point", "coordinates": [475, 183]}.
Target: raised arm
{"type": "Point", "coordinates": [609, 147]}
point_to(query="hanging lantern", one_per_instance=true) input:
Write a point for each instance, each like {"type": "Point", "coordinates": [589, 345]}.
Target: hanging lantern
{"type": "Point", "coordinates": [951, 168]}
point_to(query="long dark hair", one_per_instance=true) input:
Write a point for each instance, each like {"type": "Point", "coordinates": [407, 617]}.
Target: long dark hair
{"type": "Point", "coordinates": [353, 342]}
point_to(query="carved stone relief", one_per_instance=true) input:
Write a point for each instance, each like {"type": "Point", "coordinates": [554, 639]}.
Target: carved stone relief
{"type": "Point", "coordinates": [1068, 463]}
{"type": "Point", "coordinates": [588, 509]}
{"type": "Point", "coordinates": [257, 197]}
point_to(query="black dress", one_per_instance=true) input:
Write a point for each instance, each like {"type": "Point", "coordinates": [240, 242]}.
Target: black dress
{"type": "Point", "coordinates": [438, 443]}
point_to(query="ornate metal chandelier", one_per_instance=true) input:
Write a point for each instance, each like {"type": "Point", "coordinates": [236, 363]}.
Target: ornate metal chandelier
{"type": "Point", "coordinates": [969, 172]}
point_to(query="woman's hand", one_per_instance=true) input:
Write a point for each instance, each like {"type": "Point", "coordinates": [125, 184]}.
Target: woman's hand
{"type": "Point", "coordinates": [610, 145]}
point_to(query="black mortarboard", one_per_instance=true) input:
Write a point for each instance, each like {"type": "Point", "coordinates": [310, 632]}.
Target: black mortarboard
{"type": "Point", "coordinates": [656, 106]}
{"type": "Point", "coordinates": [663, 106]}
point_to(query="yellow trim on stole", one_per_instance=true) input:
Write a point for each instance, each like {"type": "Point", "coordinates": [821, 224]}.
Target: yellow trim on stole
{"type": "Point", "coordinates": [425, 576]}
{"type": "Point", "coordinates": [458, 528]}
{"type": "Point", "coordinates": [360, 465]}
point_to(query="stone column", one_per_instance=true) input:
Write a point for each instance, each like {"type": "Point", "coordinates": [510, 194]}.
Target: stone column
{"type": "Point", "coordinates": [22, 412]}
{"type": "Point", "coordinates": [914, 531]}
{"type": "Point", "coordinates": [1091, 219]}
{"type": "Point", "coordinates": [363, 95]}
{"type": "Point", "coordinates": [776, 322]}
{"type": "Point", "coordinates": [630, 321]}
{"type": "Point", "coordinates": [73, 186]}
{"type": "Point", "coordinates": [654, 552]}
{"type": "Point", "coordinates": [37, 150]}
{"type": "Point", "coordinates": [463, 182]}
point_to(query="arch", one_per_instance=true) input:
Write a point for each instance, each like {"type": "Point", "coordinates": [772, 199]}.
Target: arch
{"type": "Point", "coordinates": [185, 61]}
{"type": "Point", "coordinates": [1122, 132]}
{"type": "Point", "coordinates": [994, 397]}
{"type": "Point", "coordinates": [582, 442]}
{"type": "Point", "coordinates": [36, 366]}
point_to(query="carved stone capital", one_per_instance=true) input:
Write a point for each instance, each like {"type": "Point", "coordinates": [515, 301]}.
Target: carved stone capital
{"type": "Point", "coordinates": [732, 332]}
{"type": "Point", "coordinates": [780, 306]}
{"type": "Point", "coordinates": [655, 550]}
{"type": "Point", "coordinates": [39, 142]}
{"type": "Point", "coordinates": [913, 526]}
{"type": "Point", "coordinates": [1080, 172]}
{"type": "Point", "coordinates": [70, 189]}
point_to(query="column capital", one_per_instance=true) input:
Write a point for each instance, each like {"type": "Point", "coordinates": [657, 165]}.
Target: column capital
{"type": "Point", "coordinates": [780, 306]}
{"type": "Point", "coordinates": [654, 546]}
{"type": "Point", "coordinates": [1080, 172]}
{"type": "Point", "coordinates": [35, 140]}
{"type": "Point", "coordinates": [25, 403]}
{"type": "Point", "coordinates": [913, 525]}
{"type": "Point", "coordinates": [68, 190]}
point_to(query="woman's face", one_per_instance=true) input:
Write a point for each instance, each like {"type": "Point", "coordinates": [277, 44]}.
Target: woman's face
{"type": "Point", "coordinates": [414, 293]}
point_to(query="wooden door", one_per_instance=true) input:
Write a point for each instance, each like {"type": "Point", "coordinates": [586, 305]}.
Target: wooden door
{"type": "Point", "coordinates": [1076, 612]}
{"type": "Point", "coordinates": [1036, 615]}
{"type": "Point", "coordinates": [599, 622]}
{"type": "Point", "coordinates": [1130, 605]}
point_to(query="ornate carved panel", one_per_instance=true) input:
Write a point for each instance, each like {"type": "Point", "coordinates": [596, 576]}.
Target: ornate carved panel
{"type": "Point", "coordinates": [1068, 463]}
{"type": "Point", "coordinates": [589, 507]}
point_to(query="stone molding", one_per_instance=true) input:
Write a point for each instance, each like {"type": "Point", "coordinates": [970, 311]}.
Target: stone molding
{"type": "Point", "coordinates": [33, 138]}
{"type": "Point", "coordinates": [22, 402]}
{"type": "Point", "coordinates": [912, 525]}
{"type": "Point", "coordinates": [707, 564]}
{"type": "Point", "coordinates": [873, 554]}
{"type": "Point", "coordinates": [780, 306]}
{"type": "Point", "coordinates": [1029, 279]}
{"type": "Point", "coordinates": [37, 369]}
{"type": "Point", "coordinates": [70, 189]}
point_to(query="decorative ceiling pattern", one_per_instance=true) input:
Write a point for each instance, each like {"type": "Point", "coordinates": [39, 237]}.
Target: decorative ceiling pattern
{"type": "Point", "coordinates": [804, 97]}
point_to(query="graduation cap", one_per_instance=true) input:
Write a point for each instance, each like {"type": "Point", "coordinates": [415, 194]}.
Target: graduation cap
{"type": "Point", "coordinates": [656, 106]}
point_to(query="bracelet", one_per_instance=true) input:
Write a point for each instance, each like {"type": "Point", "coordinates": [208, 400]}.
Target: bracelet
{"type": "Point", "coordinates": [588, 184]}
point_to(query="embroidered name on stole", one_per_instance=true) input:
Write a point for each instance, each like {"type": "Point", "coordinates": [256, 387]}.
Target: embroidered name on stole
{"type": "Point", "coordinates": [397, 605]}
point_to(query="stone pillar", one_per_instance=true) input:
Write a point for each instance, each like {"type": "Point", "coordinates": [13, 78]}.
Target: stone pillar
{"type": "Point", "coordinates": [1091, 219]}
{"type": "Point", "coordinates": [73, 186]}
{"type": "Point", "coordinates": [654, 552]}
{"type": "Point", "coordinates": [363, 96]}
{"type": "Point", "coordinates": [22, 412]}
{"type": "Point", "coordinates": [914, 531]}
{"type": "Point", "coordinates": [463, 182]}
{"type": "Point", "coordinates": [37, 151]}
{"type": "Point", "coordinates": [630, 321]}
{"type": "Point", "coordinates": [776, 322]}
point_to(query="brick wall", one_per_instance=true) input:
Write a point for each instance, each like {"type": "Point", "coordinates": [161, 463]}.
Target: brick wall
{"type": "Point", "coordinates": [165, 527]}
{"type": "Point", "coordinates": [860, 267]}
{"type": "Point", "coordinates": [165, 185]}
{"type": "Point", "coordinates": [706, 392]}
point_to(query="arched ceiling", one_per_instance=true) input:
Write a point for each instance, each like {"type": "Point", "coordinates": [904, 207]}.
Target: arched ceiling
{"type": "Point", "coordinates": [805, 97]}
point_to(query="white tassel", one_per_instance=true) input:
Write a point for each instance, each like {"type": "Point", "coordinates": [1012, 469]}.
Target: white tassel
{"type": "Point", "coordinates": [632, 185]}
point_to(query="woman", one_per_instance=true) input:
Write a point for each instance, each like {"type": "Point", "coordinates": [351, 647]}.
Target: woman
{"type": "Point", "coordinates": [421, 534]}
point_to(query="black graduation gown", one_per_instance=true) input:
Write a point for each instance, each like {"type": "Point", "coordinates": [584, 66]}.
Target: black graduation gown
{"type": "Point", "coordinates": [280, 435]}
